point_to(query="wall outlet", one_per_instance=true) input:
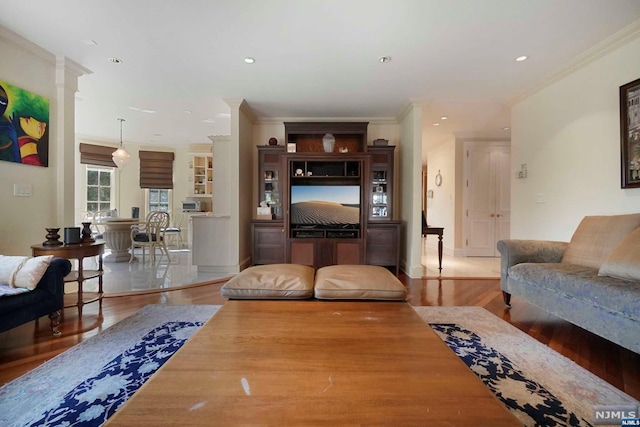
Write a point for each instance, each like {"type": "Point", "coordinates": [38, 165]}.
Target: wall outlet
{"type": "Point", "coordinates": [541, 198]}
{"type": "Point", "coordinates": [22, 190]}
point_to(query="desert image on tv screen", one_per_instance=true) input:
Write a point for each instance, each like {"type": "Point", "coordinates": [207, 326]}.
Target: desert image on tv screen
{"type": "Point", "coordinates": [325, 205]}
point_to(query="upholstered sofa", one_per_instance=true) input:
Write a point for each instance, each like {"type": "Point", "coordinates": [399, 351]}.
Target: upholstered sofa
{"type": "Point", "coordinates": [593, 281]}
{"type": "Point", "coordinates": [20, 304]}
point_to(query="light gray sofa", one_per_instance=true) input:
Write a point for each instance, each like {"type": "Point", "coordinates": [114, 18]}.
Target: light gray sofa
{"type": "Point", "coordinates": [592, 281]}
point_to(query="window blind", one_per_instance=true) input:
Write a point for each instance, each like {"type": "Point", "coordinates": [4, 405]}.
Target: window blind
{"type": "Point", "coordinates": [97, 155]}
{"type": "Point", "coordinates": [156, 169]}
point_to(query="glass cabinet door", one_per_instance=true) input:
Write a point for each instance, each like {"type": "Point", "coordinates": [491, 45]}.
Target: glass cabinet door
{"type": "Point", "coordinates": [379, 196]}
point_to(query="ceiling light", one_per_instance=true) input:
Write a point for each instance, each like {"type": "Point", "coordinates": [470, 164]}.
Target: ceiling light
{"type": "Point", "coordinates": [506, 128]}
{"type": "Point", "coordinates": [115, 60]}
{"type": "Point", "coordinates": [444, 118]}
{"type": "Point", "coordinates": [157, 134]}
{"type": "Point", "coordinates": [249, 60]}
{"type": "Point", "coordinates": [521, 58]}
{"type": "Point", "coordinates": [89, 42]}
{"type": "Point", "coordinates": [120, 156]}
{"type": "Point", "coordinates": [436, 124]}
{"type": "Point", "coordinates": [384, 59]}
{"type": "Point", "coordinates": [208, 121]}
{"type": "Point", "coordinates": [187, 111]}
{"type": "Point", "coordinates": [149, 111]}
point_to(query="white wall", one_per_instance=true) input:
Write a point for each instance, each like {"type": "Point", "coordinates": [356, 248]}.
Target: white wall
{"type": "Point", "coordinates": [246, 208]}
{"type": "Point", "coordinates": [410, 165]}
{"type": "Point", "coordinates": [568, 134]}
{"type": "Point", "coordinates": [24, 218]}
{"type": "Point", "coordinates": [441, 209]}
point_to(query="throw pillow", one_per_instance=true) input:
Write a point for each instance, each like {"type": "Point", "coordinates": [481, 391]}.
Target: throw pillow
{"type": "Point", "coordinates": [596, 236]}
{"type": "Point", "coordinates": [9, 265]}
{"type": "Point", "coordinates": [624, 261]}
{"type": "Point", "coordinates": [31, 272]}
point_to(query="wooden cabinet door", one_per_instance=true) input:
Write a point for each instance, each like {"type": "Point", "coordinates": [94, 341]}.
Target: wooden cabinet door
{"type": "Point", "coordinates": [268, 243]}
{"type": "Point", "coordinates": [383, 245]}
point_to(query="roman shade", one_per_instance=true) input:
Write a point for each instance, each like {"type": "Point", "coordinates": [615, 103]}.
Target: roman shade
{"type": "Point", "coordinates": [97, 155]}
{"type": "Point", "coordinates": [156, 169]}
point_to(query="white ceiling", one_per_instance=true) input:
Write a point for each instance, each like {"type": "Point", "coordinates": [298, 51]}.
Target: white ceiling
{"type": "Point", "coordinates": [314, 58]}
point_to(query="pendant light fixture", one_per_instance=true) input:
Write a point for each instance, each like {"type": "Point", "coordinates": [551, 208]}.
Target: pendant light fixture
{"type": "Point", "coordinates": [120, 156]}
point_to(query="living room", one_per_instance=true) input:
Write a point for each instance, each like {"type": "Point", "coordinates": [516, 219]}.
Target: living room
{"type": "Point", "coordinates": [565, 128]}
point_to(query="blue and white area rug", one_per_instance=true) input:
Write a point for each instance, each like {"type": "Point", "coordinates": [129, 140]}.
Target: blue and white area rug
{"type": "Point", "coordinates": [538, 385]}
{"type": "Point", "coordinates": [86, 384]}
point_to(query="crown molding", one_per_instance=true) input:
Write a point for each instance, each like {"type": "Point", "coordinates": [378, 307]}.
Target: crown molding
{"type": "Point", "coordinates": [16, 39]}
{"type": "Point", "coordinates": [608, 45]}
{"type": "Point", "coordinates": [370, 120]}
{"type": "Point", "coordinates": [408, 107]}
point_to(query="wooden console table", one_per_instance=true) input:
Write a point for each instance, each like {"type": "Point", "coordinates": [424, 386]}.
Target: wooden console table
{"type": "Point", "coordinates": [439, 231]}
{"type": "Point", "coordinates": [78, 251]}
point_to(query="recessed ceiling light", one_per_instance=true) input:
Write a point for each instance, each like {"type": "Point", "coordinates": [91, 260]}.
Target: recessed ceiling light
{"type": "Point", "coordinates": [187, 111]}
{"type": "Point", "coordinates": [436, 124]}
{"type": "Point", "coordinates": [444, 118]}
{"type": "Point", "coordinates": [249, 60]}
{"type": "Point", "coordinates": [506, 128]}
{"type": "Point", "coordinates": [384, 59]}
{"type": "Point", "coordinates": [157, 134]}
{"type": "Point", "coordinates": [134, 108]}
{"type": "Point", "coordinates": [521, 58]}
{"type": "Point", "coordinates": [208, 121]}
{"type": "Point", "coordinates": [115, 60]}
{"type": "Point", "coordinates": [149, 111]}
{"type": "Point", "coordinates": [89, 42]}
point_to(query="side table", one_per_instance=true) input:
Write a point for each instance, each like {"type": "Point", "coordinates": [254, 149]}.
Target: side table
{"type": "Point", "coordinates": [78, 251]}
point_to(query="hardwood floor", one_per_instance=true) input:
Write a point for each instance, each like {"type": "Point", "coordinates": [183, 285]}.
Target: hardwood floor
{"type": "Point", "coordinates": [27, 346]}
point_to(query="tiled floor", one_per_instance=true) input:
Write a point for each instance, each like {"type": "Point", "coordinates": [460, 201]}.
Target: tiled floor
{"type": "Point", "coordinates": [458, 266]}
{"type": "Point", "coordinates": [123, 277]}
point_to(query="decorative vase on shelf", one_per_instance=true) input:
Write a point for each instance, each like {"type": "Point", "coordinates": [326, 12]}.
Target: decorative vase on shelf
{"type": "Point", "coordinates": [328, 141]}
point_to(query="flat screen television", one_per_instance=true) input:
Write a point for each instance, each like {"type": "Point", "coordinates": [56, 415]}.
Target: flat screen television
{"type": "Point", "coordinates": [327, 206]}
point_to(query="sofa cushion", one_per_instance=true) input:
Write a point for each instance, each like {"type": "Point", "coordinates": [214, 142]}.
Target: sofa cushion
{"type": "Point", "coordinates": [9, 266]}
{"type": "Point", "coordinates": [369, 282]}
{"type": "Point", "coordinates": [596, 236]}
{"type": "Point", "coordinates": [575, 281]}
{"type": "Point", "coordinates": [273, 281]}
{"type": "Point", "coordinates": [32, 271]}
{"type": "Point", "coordinates": [624, 261]}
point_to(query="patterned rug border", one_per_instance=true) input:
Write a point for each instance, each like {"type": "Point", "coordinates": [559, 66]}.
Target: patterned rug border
{"type": "Point", "coordinates": [578, 389]}
{"type": "Point", "coordinates": [47, 384]}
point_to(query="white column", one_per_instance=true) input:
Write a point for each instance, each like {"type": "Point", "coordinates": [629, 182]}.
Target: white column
{"type": "Point", "coordinates": [67, 73]}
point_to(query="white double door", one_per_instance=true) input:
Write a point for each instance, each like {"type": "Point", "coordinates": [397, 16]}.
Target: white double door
{"type": "Point", "coordinates": [486, 196]}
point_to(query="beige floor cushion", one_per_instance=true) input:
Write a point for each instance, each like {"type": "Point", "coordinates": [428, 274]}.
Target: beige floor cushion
{"type": "Point", "coordinates": [367, 282]}
{"type": "Point", "coordinates": [273, 281]}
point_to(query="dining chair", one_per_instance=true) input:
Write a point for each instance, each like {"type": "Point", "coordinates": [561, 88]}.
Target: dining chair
{"type": "Point", "coordinates": [173, 233]}
{"type": "Point", "coordinates": [151, 235]}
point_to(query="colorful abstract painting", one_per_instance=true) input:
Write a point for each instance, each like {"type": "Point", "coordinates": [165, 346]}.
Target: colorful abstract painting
{"type": "Point", "coordinates": [24, 126]}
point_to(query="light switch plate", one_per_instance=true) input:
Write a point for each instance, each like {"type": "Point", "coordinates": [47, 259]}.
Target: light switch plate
{"type": "Point", "coordinates": [22, 190]}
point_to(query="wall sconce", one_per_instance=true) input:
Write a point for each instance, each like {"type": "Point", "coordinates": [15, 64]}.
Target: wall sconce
{"type": "Point", "coordinates": [522, 173]}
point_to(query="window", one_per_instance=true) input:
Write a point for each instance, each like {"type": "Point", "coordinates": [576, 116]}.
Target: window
{"type": "Point", "coordinates": [158, 199]}
{"type": "Point", "coordinates": [99, 189]}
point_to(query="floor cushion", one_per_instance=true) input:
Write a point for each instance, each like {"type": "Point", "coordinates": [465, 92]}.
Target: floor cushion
{"type": "Point", "coordinates": [355, 282]}
{"type": "Point", "coordinates": [273, 281]}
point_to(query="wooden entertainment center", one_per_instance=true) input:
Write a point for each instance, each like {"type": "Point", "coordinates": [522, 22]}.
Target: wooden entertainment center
{"type": "Point", "coordinates": [335, 230]}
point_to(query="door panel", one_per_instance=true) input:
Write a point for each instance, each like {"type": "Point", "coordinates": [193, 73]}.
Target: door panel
{"type": "Point", "coordinates": [487, 198]}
